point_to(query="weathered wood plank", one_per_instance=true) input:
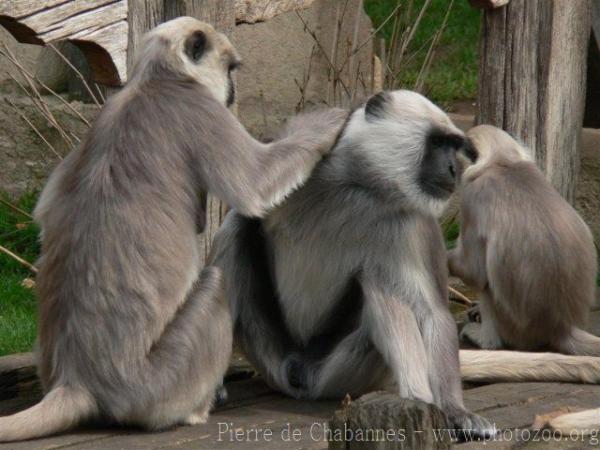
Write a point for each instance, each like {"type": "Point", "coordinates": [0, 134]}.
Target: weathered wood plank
{"type": "Point", "coordinates": [251, 11]}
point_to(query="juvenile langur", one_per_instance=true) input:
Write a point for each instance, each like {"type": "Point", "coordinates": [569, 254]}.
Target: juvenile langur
{"type": "Point", "coordinates": [131, 329]}
{"type": "Point", "coordinates": [526, 250]}
{"type": "Point", "coordinates": [343, 288]}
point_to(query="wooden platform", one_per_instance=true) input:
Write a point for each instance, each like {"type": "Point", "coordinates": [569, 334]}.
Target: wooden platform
{"type": "Point", "coordinates": [255, 417]}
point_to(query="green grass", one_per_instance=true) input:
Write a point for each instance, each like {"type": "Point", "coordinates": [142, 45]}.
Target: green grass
{"type": "Point", "coordinates": [453, 73]}
{"type": "Point", "coordinates": [17, 303]}
{"type": "Point", "coordinates": [451, 230]}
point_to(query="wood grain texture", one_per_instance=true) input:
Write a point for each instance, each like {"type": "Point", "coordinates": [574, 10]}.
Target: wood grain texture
{"type": "Point", "coordinates": [98, 27]}
{"type": "Point", "coordinates": [532, 80]}
{"type": "Point", "coordinates": [383, 420]}
{"type": "Point", "coordinates": [251, 11]}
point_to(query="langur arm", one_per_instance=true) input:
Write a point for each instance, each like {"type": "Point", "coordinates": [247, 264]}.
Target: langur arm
{"type": "Point", "coordinates": [467, 261]}
{"type": "Point", "coordinates": [239, 251]}
{"type": "Point", "coordinates": [251, 176]}
{"type": "Point", "coordinates": [395, 333]}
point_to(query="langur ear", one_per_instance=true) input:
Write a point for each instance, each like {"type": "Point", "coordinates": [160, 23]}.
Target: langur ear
{"type": "Point", "coordinates": [196, 45]}
{"type": "Point", "coordinates": [376, 106]}
{"type": "Point", "coordinates": [469, 150]}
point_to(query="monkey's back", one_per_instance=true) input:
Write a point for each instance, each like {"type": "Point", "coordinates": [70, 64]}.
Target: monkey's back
{"type": "Point", "coordinates": [116, 258]}
{"type": "Point", "coordinates": [540, 255]}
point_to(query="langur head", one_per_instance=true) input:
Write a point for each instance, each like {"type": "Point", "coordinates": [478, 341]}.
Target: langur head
{"type": "Point", "coordinates": [412, 145]}
{"type": "Point", "coordinates": [190, 49]}
{"type": "Point", "coordinates": [492, 144]}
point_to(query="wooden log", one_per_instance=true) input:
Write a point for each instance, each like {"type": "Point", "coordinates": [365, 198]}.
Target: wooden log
{"type": "Point", "coordinates": [382, 420]}
{"type": "Point", "coordinates": [532, 80]}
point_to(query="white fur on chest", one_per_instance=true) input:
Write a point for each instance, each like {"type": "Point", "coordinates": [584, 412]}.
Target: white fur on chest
{"type": "Point", "coordinates": [309, 278]}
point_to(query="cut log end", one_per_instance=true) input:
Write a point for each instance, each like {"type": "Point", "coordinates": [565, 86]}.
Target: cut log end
{"type": "Point", "coordinates": [384, 420]}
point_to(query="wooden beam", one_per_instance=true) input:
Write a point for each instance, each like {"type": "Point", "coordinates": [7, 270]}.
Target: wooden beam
{"type": "Point", "coordinates": [532, 76]}
{"type": "Point", "coordinates": [98, 27]}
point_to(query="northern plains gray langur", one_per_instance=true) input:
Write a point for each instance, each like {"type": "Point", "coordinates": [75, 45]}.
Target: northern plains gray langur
{"type": "Point", "coordinates": [526, 250]}
{"type": "Point", "coordinates": [131, 329]}
{"type": "Point", "coordinates": [343, 287]}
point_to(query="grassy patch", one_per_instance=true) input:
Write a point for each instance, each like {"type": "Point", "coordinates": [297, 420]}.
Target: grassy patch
{"type": "Point", "coordinates": [17, 302]}
{"type": "Point", "coordinates": [453, 73]}
{"type": "Point", "coordinates": [451, 230]}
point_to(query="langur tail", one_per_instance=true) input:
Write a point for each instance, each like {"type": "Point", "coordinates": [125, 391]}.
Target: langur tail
{"type": "Point", "coordinates": [493, 366]}
{"type": "Point", "coordinates": [61, 409]}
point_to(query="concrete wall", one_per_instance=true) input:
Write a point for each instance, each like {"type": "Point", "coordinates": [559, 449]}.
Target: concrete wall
{"type": "Point", "coordinates": [277, 56]}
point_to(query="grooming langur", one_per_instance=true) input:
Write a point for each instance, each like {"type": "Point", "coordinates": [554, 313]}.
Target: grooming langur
{"type": "Point", "coordinates": [343, 288]}
{"type": "Point", "coordinates": [526, 250]}
{"type": "Point", "coordinates": [131, 329]}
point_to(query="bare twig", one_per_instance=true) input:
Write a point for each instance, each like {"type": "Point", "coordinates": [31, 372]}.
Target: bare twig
{"type": "Point", "coordinates": [33, 127]}
{"type": "Point", "coordinates": [459, 296]}
{"type": "Point", "coordinates": [353, 48]}
{"type": "Point", "coordinates": [374, 33]}
{"type": "Point", "coordinates": [100, 94]}
{"type": "Point", "coordinates": [429, 58]}
{"type": "Point", "coordinates": [329, 62]}
{"type": "Point", "coordinates": [412, 31]}
{"type": "Point", "coordinates": [77, 72]}
{"type": "Point", "coordinates": [305, 80]}
{"type": "Point", "coordinates": [35, 96]}
{"type": "Point", "coordinates": [18, 259]}
{"type": "Point", "coordinates": [27, 74]}
{"type": "Point", "coordinates": [16, 208]}
{"type": "Point", "coordinates": [44, 111]}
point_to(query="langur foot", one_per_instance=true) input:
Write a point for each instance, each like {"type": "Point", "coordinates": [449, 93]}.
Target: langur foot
{"type": "Point", "coordinates": [295, 372]}
{"type": "Point", "coordinates": [474, 314]}
{"type": "Point", "coordinates": [221, 395]}
{"type": "Point", "coordinates": [198, 417]}
{"type": "Point", "coordinates": [471, 334]}
{"type": "Point", "coordinates": [471, 427]}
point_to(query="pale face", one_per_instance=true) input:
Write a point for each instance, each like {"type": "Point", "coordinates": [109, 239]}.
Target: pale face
{"type": "Point", "coordinates": [202, 53]}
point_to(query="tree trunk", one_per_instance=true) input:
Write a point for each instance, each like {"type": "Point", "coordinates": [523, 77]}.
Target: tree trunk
{"type": "Point", "coordinates": [532, 80]}
{"type": "Point", "coordinates": [146, 14]}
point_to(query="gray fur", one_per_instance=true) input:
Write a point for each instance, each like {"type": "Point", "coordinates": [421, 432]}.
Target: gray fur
{"type": "Point", "coordinates": [131, 328]}
{"type": "Point", "coordinates": [362, 219]}
{"type": "Point", "coordinates": [526, 249]}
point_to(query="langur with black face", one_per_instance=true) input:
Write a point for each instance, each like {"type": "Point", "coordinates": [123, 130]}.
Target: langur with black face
{"type": "Point", "coordinates": [526, 250]}
{"type": "Point", "coordinates": [131, 328]}
{"type": "Point", "coordinates": [343, 288]}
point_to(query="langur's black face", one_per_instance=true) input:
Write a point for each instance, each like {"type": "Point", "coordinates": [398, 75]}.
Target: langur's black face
{"type": "Point", "coordinates": [440, 170]}
{"type": "Point", "coordinates": [231, 88]}
{"type": "Point", "coordinates": [233, 65]}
